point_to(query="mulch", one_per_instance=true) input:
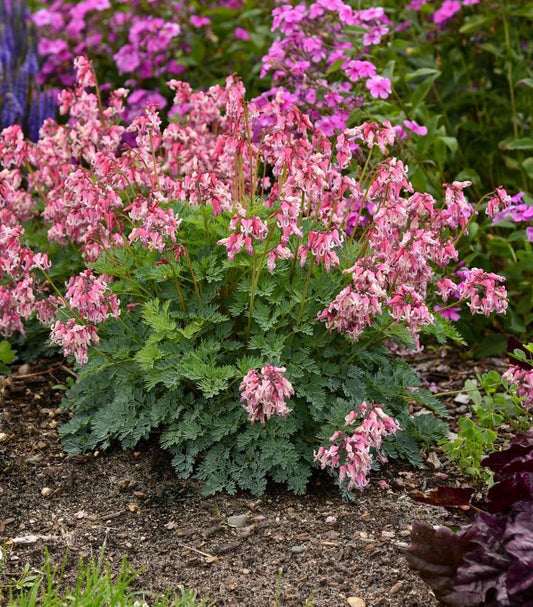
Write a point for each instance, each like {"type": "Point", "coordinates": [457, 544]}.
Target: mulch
{"type": "Point", "coordinates": [280, 550]}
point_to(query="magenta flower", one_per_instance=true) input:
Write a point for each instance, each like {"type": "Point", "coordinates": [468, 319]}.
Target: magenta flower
{"type": "Point", "coordinates": [446, 11]}
{"type": "Point", "coordinates": [453, 314]}
{"type": "Point", "coordinates": [379, 87]}
{"type": "Point", "coordinates": [359, 69]}
{"type": "Point", "coordinates": [415, 127]}
{"type": "Point", "coordinates": [198, 21]}
{"type": "Point", "coordinates": [241, 34]}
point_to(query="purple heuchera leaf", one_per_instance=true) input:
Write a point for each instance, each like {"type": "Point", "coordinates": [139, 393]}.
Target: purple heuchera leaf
{"type": "Point", "coordinates": [521, 444]}
{"type": "Point", "coordinates": [489, 563]}
{"type": "Point", "coordinates": [513, 473]}
{"type": "Point", "coordinates": [519, 543]}
{"type": "Point", "coordinates": [484, 569]}
{"type": "Point", "coordinates": [436, 554]}
{"type": "Point", "coordinates": [503, 494]}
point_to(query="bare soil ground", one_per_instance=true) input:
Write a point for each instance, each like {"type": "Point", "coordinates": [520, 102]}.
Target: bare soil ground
{"type": "Point", "coordinates": [285, 549]}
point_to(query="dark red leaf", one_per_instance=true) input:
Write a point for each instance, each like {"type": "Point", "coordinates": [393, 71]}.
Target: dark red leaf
{"type": "Point", "coordinates": [444, 496]}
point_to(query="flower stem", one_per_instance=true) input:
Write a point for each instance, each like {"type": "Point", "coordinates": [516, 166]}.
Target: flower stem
{"type": "Point", "coordinates": [304, 294]}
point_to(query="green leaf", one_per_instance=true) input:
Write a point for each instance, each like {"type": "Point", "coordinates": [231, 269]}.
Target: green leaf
{"type": "Point", "coordinates": [424, 73]}
{"type": "Point", "coordinates": [443, 329]}
{"type": "Point", "coordinates": [449, 142]}
{"type": "Point", "coordinates": [526, 11]}
{"type": "Point", "coordinates": [527, 165]}
{"type": "Point", "coordinates": [191, 329]}
{"type": "Point", "coordinates": [157, 318]}
{"type": "Point", "coordinates": [148, 355]}
{"type": "Point", "coordinates": [336, 66]}
{"type": "Point", "coordinates": [477, 22]}
{"type": "Point", "coordinates": [522, 143]}
{"type": "Point", "coordinates": [270, 346]}
{"type": "Point", "coordinates": [526, 81]}
{"type": "Point", "coordinates": [7, 355]}
{"type": "Point", "coordinates": [422, 89]}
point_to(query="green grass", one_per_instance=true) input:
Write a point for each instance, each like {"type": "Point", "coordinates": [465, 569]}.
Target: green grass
{"type": "Point", "coordinates": [95, 586]}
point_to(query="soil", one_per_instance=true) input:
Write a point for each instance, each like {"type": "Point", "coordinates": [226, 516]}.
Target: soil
{"type": "Point", "coordinates": [287, 548]}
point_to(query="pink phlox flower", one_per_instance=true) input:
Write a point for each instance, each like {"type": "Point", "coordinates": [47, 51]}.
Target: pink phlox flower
{"type": "Point", "coordinates": [446, 11]}
{"type": "Point", "coordinates": [453, 314]}
{"type": "Point", "coordinates": [416, 5]}
{"type": "Point", "coordinates": [415, 127]}
{"type": "Point", "coordinates": [265, 393]}
{"type": "Point", "coordinates": [359, 69]}
{"type": "Point", "coordinates": [199, 21]}
{"type": "Point", "coordinates": [379, 87]}
{"type": "Point", "coordinates": [375, 35]}
{"type": "Point", "coordinates": [241, 34]}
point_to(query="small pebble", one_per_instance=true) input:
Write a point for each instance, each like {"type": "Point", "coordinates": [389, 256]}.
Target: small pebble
{"type": "Point", "coordinates": [396, 588]}
{"type": "Point", "coordinates": [297, 549]}
{"type": "Point", "coordinates": [46, 491]}
{"type": "Point", "coordinates": [355, 601]}
{"type": "Point", "coordinates": [239, 521]}
{"type": "Point", "coordinates": [3, 437]}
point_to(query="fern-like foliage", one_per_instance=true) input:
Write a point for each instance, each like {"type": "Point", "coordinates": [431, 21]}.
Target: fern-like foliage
{"type": "Point", "coordinates": [173, 365]}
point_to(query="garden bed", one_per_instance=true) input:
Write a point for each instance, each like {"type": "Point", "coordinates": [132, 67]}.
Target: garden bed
{"type": "Point", "coordinates": [289, 548]}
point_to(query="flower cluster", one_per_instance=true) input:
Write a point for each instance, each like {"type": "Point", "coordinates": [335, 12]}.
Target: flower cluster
{"type": "Point", "coordinates": [408, 238]}
{"type": "Point", "coordinates": [139, 44]}
{"type": "Point", "coordinates": [250, 229]}
{"type": "Point", "coordinates": [481, 290]}
{"type": "Point", "coordinates": [104, 185]}
{"type": "Point", "coordinates": [446, 10]}
{"type": "Point", "coordinates": [88, 297]}
{"type": "Point", "coordinates": [314, 40]}
{"type": "Point", "coordinates": [351, 453]}
{"type": "Point", "coordinates": [265, 393]}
